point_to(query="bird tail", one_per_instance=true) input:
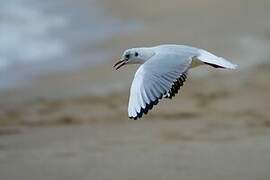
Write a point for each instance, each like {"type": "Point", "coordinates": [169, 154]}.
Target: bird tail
{"type": "Point", "coordinates": [214, 61]}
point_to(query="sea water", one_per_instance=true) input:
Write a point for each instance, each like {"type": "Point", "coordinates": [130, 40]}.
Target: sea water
{"type": "Point", "coordinates": [39, 37]}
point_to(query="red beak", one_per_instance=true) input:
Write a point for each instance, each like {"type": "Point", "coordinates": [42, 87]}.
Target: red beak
{"type": "Point", "coordinates": [119, 64]}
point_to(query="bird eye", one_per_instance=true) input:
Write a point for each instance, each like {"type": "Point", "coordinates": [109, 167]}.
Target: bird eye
{"type": "Point", "coordinates": [127, 56]}
{"type": "Point", "coordinates": [136, 54]}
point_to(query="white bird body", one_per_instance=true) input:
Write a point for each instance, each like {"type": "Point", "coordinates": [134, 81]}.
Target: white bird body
{"type": "Point", "coordinates": [163, 71]}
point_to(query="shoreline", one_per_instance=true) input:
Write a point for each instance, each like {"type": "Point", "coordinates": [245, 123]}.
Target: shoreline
{"type": "Point", "coordinates": [75, 125]}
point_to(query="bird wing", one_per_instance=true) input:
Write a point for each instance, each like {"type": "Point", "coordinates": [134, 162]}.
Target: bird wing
{"type": "Point", "coordinates": [213, 60]}
{"type": "Point", "coordinates": [162, 75]}
{"type": "Point", "coordinates": [176, 86]}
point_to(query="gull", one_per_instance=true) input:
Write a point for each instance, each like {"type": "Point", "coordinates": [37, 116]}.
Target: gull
{"type": "Point", "coordinates": [163, 70]}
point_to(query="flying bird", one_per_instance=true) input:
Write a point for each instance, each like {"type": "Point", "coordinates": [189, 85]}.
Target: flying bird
{"type": "Point", "coordinates": [162, 72]}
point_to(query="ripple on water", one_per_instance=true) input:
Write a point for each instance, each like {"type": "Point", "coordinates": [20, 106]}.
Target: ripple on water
{"type": "Point", "coordinates": [39, 36]}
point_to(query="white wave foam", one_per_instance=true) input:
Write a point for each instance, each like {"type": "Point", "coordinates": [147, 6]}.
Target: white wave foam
{"type": "Point", "coordinates": [24, 33]}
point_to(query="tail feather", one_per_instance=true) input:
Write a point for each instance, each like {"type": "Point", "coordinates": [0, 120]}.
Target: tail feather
{"type": "Point", "coordinates": [217, 62]}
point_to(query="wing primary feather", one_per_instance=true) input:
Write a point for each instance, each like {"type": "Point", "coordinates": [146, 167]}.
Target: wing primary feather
{"type": "Point", "coordinates": [176, 86]}
{"type": "Point", "coordinates": [145, 96]}
{"type": "Point", "coordinates": [140, 98]}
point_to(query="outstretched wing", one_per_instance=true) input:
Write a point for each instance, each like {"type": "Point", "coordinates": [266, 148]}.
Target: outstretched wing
{"type": "Point", "coordinates": [162, 75]}
{"type": "Point", "coordinates": [214, 61]}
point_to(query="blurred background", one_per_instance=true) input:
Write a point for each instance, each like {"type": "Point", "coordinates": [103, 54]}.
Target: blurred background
{"type": "Point", "coordinates": [63, 108]}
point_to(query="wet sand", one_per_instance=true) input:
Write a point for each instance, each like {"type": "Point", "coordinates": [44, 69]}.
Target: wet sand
{"type": "Point", "coordinates": [75, 126]}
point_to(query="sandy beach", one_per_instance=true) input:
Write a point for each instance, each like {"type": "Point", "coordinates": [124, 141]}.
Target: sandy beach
{"type": "Point", "coordinates": [74, 125]}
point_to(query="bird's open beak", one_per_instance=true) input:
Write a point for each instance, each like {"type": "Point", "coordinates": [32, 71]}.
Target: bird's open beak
{"type": "Point", "coordinates": [120, 63]}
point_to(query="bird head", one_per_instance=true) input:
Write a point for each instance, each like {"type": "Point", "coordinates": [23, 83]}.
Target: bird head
{"type": "Point", "coordinates": [134, 56]}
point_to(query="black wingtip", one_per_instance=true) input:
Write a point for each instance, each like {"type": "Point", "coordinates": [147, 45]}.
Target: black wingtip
{"type": "Point", "coordinates": [133, 118]}
{"type": "Point", "coordinates": [145, 110]}
{"type": "Point", "coordinates": [176, 86]}
{"type": "Point", "coordinates": [214, 65]}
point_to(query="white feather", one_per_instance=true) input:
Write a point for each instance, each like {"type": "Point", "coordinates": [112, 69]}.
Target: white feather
{"type": "Point", "coordinates": [212, 59]}
{"type": "Point", "coordinates": [161, 68]}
